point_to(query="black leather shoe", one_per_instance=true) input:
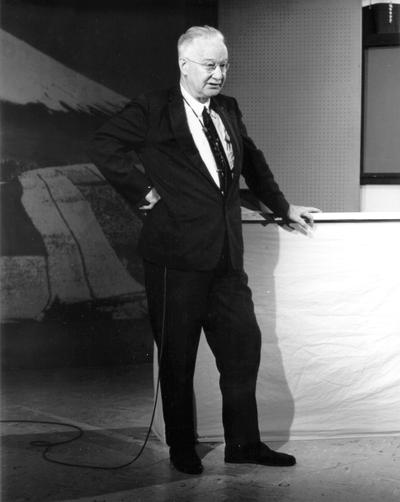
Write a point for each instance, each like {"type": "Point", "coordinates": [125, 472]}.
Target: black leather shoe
{"type": "Point", "coordinates": [185, 459]}
{"type": "Point", "coordinates": [258, 453]}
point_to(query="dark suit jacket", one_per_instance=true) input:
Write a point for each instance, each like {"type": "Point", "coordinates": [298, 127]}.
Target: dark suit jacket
{"type": "Point", "coordinates": [186, 228]}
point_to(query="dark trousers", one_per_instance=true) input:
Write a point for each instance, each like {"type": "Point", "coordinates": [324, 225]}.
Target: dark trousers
{"type": "Point", "coordinates": [218, 301]}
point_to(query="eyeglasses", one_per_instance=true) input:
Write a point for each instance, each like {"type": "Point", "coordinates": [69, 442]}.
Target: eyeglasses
{"type": "Point", "coordinates": [210, 67]}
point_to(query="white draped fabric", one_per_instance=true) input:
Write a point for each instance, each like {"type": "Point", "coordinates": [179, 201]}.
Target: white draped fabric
{"type": "Point", "coordinates": [328, 306]}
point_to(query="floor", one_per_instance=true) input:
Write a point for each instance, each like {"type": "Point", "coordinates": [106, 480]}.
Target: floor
{"type": "Point", "coordinates": [113, 406]}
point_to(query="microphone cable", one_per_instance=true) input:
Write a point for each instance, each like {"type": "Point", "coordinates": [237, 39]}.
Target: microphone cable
{"type": "Point", "coordinates": [48, 445]}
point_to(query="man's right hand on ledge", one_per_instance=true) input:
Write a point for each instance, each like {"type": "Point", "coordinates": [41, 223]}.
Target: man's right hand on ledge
{"type": "Point", "coordinates": [302, 216]}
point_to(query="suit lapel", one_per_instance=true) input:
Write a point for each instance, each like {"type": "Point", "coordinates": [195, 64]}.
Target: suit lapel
{"type": "Point", "coordinates": [182, 134]}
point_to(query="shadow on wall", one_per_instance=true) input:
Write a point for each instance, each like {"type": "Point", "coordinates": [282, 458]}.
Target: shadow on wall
{"type": "Point", "coordinates": [275, 401]}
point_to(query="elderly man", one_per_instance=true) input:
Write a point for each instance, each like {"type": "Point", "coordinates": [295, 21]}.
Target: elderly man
{"type": "Point", "coordinates": [194, 146]}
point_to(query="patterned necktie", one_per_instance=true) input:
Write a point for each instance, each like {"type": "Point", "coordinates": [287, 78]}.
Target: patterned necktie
{"type": "Point", "coordinates": [223, 168]}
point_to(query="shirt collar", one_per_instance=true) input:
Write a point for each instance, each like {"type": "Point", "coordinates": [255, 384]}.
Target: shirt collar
{"type": "Point", "coordinates": [196, 105]}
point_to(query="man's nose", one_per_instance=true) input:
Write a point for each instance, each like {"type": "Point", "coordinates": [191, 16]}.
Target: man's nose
{"type": "Point", "coordinates": [218, 73]}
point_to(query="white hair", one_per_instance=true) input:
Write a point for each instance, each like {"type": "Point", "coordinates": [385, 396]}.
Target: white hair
{"type": "Point", "coordinates": [187, 38]}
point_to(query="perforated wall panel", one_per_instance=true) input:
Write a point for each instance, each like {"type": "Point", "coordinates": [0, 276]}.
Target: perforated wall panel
{"type": "Point", "coordinates": [296, 72]}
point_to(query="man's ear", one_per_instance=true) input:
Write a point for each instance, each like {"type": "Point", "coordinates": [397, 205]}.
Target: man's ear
{"type": "Point", "coordinates": [183, 65]}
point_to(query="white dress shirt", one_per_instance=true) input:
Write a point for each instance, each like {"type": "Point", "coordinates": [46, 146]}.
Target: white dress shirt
{"type": "Point", "coordinates": [194, 111]}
